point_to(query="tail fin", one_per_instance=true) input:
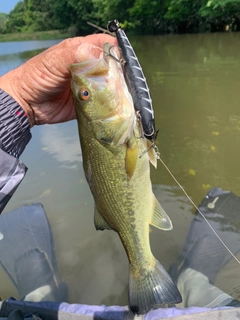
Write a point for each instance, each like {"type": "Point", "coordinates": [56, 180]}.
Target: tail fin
{"type": "Point", "coordinates": [154, 290]}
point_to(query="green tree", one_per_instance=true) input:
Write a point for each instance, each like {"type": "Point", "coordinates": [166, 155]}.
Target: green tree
{"type": "Point", "coordinates": [220, 14]}
{"type": "Point", "coordinates": [105, 10]}
{"type": "Point", "coordinates": [3, 22]}
{"type": "Point", "coordinates": [38, 14]}
{"type": "Point", "coordinates": [148, 17]}
{"type": "Point", "coordinates": [83, 11]}
{"type": "Point", "coordinates": [183, 15]}
{"type": "Point", "coordinates": [16, 18]}
{"type": "Point", "coordinates": [138, 16]}
{"type": "Point", "coordinates": [63, 14]}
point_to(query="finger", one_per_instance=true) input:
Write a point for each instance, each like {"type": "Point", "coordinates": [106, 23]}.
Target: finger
{"type": "Point", "coordinates": [95, 39]}
{"type": "Point", "coordinates": [57, 59]}
{"type": "Point", "coordinates": [99, 39]}
{"type": "Point", "coordinates": [87, 51]}
{"type": "Point", "coordinates": [69, 51]}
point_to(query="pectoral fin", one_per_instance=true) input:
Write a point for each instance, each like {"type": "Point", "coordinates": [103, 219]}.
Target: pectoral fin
{"type": "Point", "coordinates": [160, 219]}
{"type": "Point", "coordinates": [131, 158]}
{"type": "Point", "coordinates": [99, 222]}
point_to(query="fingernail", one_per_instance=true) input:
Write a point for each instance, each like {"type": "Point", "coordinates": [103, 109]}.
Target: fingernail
{"type": "Point", "coordinates": [87, 51]}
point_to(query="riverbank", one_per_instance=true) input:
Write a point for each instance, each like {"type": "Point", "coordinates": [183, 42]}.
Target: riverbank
{"type": "Point", "coordinates": [38, 35]}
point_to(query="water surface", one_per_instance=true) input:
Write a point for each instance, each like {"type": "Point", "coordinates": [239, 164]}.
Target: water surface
{"type": "Point", "coordinates": [195, 87]}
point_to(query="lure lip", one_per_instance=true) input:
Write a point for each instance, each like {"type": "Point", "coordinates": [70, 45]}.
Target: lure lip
{"type": "Point", "coordinates": [113, 25]}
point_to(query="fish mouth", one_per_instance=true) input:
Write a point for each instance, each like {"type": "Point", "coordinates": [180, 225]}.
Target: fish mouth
{"type": "Point", "coordinates": [104, 79]}
{"type": "Point", "coordinates": [95, 71]}
{"type": "Point", "coordinates": [106, 74]}
{"type": "Point", "coordinates": [116, 82]}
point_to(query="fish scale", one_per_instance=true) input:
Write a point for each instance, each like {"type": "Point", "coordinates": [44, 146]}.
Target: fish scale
{"type": "Point", "coordinates": [120, 212]}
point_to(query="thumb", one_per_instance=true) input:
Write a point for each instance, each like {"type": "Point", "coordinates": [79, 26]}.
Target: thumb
{"type": "Point", "coordinates": [87, 51]}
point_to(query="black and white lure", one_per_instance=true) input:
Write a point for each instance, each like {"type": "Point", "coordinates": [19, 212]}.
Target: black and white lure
{"type": "Point", "coordinates": [136, 82]}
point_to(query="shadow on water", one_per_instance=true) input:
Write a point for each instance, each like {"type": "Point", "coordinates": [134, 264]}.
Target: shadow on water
{"type": "Point", "coordinates": [24, 56]}
{"type": "Point", "coordinates": [13, 54]}
{"type": "Point", "coordinates": [25, 46]}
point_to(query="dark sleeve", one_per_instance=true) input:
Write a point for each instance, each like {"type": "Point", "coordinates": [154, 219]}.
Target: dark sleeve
{"type": "Point", "coordinates": [14, 136]}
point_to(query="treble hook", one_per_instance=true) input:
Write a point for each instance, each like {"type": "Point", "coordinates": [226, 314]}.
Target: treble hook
{"type": "Point", "coordinates": [140, 124]}
{"type": "Point", "coordinates": [121, 60]}
{"type": "Point", "coordinates": [153, 146]}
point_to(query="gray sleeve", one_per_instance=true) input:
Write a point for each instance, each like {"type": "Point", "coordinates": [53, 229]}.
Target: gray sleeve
{"type": "Point", "coordinates": [14, 126]}
{"type": "Point", "coordinates": [12, 172]}
{"type": "Point", "coordinates": [14, 136]}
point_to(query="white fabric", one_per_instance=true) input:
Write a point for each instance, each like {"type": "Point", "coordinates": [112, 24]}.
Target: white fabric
{"type": "Point", "coordinates": [197, 291]}
{"type": "Point", "coordinates": [43, 293]}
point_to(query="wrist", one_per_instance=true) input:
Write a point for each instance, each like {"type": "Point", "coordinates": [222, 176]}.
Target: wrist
{"type": "Point", "coordinates": [11, 83]}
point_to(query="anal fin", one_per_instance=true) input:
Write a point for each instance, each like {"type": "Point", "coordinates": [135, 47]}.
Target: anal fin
{"type": "Point", "coordinates": [160, 219]}
{"type": "Point", "coordinates": [99, 222]}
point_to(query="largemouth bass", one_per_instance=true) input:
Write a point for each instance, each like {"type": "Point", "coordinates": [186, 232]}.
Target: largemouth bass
{"type": "Point", "coordinates": [118, 173]}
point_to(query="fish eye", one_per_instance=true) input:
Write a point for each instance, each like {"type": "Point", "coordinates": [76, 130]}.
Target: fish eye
{"type": "Point", "coordinates": [84, 94]}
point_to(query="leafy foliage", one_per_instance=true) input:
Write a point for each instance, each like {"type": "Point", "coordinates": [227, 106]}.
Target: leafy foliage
{"type": "Point", "coordinates": [15, 19]}
{"type": "Point", "coordinates": [140, 16]}
{"type": "Point", "coordinates": [3, 21]}
{"type": "Point", "coordinates": [221, 13]}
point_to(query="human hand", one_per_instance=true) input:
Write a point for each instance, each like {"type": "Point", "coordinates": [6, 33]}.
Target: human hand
{"type": "Point", "coordinates": [42, 85]}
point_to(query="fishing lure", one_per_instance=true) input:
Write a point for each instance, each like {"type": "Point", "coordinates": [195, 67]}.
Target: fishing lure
{"type": "Point", "coordinates": [136, 82]}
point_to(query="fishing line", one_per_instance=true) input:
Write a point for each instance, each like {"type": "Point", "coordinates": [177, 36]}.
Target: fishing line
{"type": "Point", "coordinates": [166, 167]}
{"type": "Point", "coordinates": [202, 215]}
